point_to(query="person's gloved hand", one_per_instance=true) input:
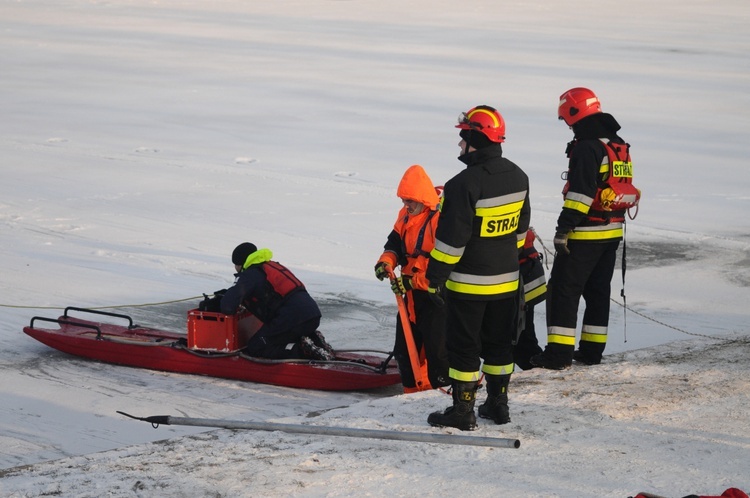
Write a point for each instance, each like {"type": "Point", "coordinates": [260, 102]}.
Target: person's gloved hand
{"type": "Point", "coordinates": [400, 285]}
{"type": "Point", "coordinates": [561, 243]}
{"type": "Point", "coordinates": [382, 269]}
{"type": "Point", "coordinates": [436, 295]}
{"type": "Point", "coordinates": [212, 304]}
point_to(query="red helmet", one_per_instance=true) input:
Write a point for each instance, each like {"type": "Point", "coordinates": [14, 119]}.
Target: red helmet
{"type": "Point", "coordinates": [484, 119]}
{"type": "Point", "coordinates": [576, 104]}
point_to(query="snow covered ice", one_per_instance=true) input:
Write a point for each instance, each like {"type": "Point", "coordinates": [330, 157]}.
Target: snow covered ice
{"type": "Point", "coordinates": [141, 141]}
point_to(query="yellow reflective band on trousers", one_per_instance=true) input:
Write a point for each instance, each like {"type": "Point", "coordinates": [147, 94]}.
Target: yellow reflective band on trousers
{"type": "Point", "coordinates": [593, 333]}
{"type": "Point", "coordinates": [561, 335]}
{"type": "Point", "coordinates": [463, 376]}
{"type": "Point", "coordinates": [498, 369]}
{"type": "Point", "coordinates": [561, 339]}
{"type": "Point", "coordinates": [481, 285]}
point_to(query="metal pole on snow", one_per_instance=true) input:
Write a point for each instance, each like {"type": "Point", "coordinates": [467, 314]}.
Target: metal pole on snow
{"type": "Point", "coordinates": [323, 430]}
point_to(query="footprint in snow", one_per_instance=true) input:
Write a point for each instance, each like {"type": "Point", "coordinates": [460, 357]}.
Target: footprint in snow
{"type": "Point", "coordinates": [244, 160]}
{"type": "Point", "coordinates": [345, 174]}
{"type": "Point", "coordinates": [146, 150]}
{"type": "Point", "coordinates": [56, 140]}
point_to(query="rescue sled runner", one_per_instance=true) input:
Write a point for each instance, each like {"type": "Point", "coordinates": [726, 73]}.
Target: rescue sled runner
{"type": "Point", "coordinates": [212, 347]}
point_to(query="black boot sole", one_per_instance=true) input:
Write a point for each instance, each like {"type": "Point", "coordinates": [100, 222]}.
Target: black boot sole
{"type": "Point", "coordinates": [583, 360]}
{"type": "Point", "coordinates": [497, 422]}
{"type": "Point", "coordinates": [432, 420]}
{"type": "Point", "coordinates": [542, 361]}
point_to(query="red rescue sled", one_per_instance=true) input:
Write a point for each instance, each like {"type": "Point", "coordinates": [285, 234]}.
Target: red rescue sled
{"type": "Point", "coordinates": [211, 348]}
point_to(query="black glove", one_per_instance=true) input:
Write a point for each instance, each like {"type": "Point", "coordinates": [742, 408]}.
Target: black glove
{"type": "Point", "coordinates": [211, 304]}
{"type": "Point", "coordinates": [382, 269]}
{"type": "Point", "coordinates": [400, 285]}
{"type": "Point", "coordinates": [561, 243]}
{"type": "Point", "coordinates": [436, 296]}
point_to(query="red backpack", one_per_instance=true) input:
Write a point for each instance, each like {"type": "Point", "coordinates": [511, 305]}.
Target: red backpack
{"type": "Point", "coordinates": [618, 193]}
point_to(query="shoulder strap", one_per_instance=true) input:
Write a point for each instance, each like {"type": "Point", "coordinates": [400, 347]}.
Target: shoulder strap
{"type": "Point", "coordinates": [616, 150]}
{"type": "Point", "coordinates": [420, 238]}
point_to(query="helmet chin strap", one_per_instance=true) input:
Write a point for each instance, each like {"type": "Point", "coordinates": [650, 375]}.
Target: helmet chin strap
{"type": "Point", "coordinates": [466, 147]}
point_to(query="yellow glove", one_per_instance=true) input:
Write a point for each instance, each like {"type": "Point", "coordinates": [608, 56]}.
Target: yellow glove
{"type": "Point", "coordinates": [382, 269]}
{"type": "Point", "coordinates": [401, 285]}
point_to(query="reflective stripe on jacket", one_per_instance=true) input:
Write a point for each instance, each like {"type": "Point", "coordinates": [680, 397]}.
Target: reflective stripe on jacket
{"type": "Point", "coordinates": [588, 169]}
{"type": "Point", "coordinates": [484, 217]}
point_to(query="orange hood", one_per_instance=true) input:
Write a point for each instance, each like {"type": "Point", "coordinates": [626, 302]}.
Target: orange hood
{"type": "Point", "coordinates": [417, 186]}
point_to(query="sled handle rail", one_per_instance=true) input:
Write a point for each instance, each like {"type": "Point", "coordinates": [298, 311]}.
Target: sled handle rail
{"type": "Point", "coordinates": [324, 430]}
{"type": "Point", "coordinates": [62, 321]}
{"type": "Point", "coordinates": [131, 325]}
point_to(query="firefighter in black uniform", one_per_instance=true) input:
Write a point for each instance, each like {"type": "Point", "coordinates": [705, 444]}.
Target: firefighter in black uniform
{"type": "Point", "coordinates": [587, 235]}
{"type": "Point", "coordinates": [474, 266]}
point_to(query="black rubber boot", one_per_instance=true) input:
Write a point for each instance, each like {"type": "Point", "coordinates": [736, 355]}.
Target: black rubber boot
{"type": "Point", "coordinates": [461, 414]}
{"type": "Point", "coordinates": [589, 353]}
{"type": "Point", "coordinates": [495, 406]}
{"type": "Point", "coordinates": [319, 340]}
{"type": "Point", "coordinates": [554, 357]}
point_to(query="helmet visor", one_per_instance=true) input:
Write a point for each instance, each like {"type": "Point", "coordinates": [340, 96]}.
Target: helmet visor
{"type": "Point", "coordinates": [466, 123]}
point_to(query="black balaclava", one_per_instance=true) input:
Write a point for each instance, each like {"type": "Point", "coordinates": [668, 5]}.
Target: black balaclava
{"type": "Point", "coordinates": [475, 138]}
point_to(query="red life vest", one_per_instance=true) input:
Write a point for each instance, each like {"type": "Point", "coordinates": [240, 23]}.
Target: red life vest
{"type": "Point", "coordinates": [282, 280]}
{"type": "Point", "coordinates": [618, 192]}
{"type": "Point", "coordinates": [280, 283]}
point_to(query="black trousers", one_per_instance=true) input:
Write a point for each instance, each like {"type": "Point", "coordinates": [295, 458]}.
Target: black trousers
{"type": "Point", "coordinates": [528, 344]}
{"type": "Point", "coordinates": [585, 272]}
{"type": "Point", "coordinates": [480, 329]}
{"type": "Point", "coordinates": [271, 341]}
{"type": "Point", "coordinates": [428, 332]}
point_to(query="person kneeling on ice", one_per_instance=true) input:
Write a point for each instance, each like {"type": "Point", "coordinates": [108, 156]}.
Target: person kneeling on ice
{"type": "Point", "coordinates": [272, 293]}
